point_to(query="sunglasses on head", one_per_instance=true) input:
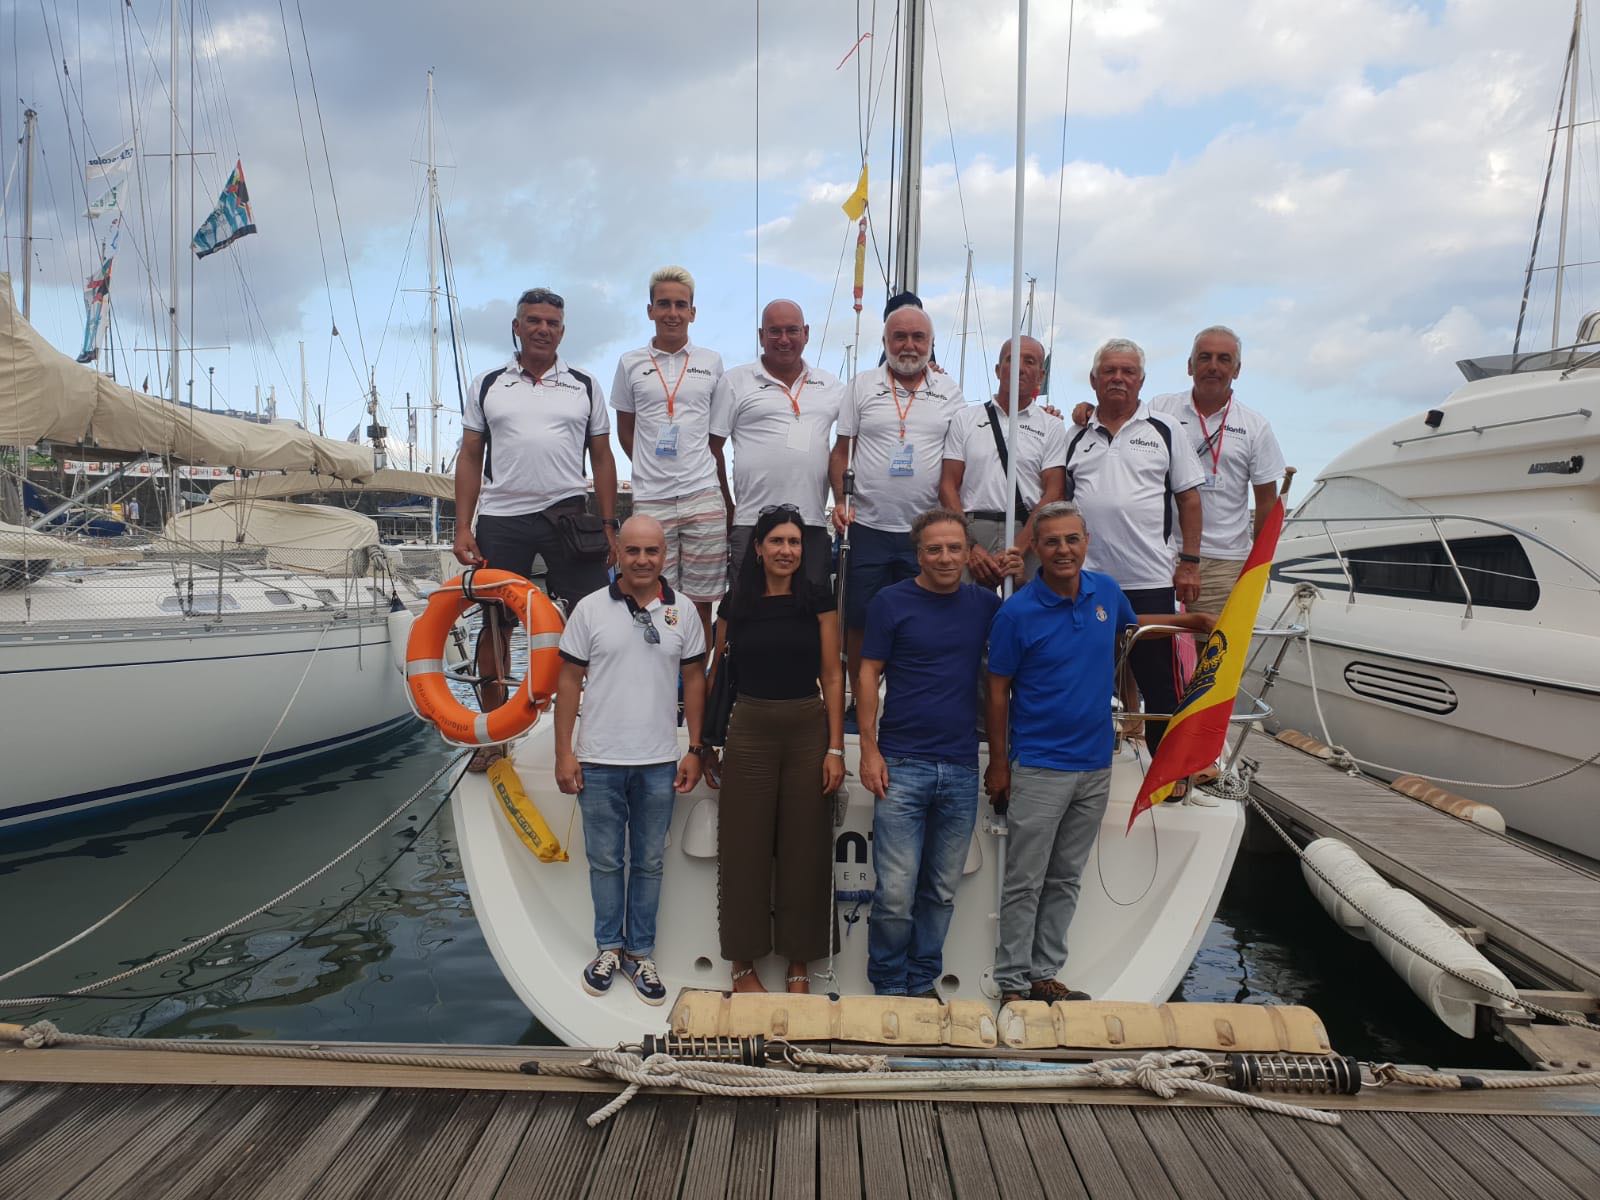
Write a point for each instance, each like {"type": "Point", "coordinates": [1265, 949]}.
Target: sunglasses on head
{"type": "Point", "coordinates": [541, 296]}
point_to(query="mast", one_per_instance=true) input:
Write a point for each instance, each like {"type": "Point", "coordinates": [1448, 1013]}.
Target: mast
{"type": "Point", "coordinates": [966, 299]}
{"type": "Point", "coordinates": [172, 169]}
{"type": "Point", "coordinates": [1566, 178]}
{"type": "Point", "coordinates": [908, 182]}
{"type": "Point", "coordinates": [1014, 381]}
{"type": "Point", "coordinates": [433, 315]}
{"type": "Point", "coordinates": [30, 124]}
{"type": "Point", "coordinates": [305, 392]}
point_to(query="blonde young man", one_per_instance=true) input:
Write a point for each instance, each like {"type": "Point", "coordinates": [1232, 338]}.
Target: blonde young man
{"type": "Point", "coordinates": [662, 393]}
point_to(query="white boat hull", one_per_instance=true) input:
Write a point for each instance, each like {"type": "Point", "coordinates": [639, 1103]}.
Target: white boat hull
{"type": "Point", "coordinates": [1147, 900]}
{"type": "Point", "coordinates": [101, 718]}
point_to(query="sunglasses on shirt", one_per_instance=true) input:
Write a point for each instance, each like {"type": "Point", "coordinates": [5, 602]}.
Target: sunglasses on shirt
{"type": "Point", "coordinates": [652, 635]}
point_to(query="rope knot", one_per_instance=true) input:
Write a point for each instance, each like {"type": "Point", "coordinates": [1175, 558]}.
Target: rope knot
{"type": "Point", "coordinates": [41, 1034]}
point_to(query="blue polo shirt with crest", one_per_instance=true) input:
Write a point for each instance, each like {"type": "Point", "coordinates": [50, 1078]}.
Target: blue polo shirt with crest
{"type": "Point", "coordinates": [1061, 657]}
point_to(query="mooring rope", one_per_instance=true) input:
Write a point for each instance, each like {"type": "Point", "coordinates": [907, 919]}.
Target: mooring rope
{"type": "Point", "coordinates": [1385, 1073]}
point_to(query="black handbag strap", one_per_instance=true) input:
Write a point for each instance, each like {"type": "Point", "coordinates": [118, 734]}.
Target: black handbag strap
{"type": "Point", "coordinates": [1005, 460]}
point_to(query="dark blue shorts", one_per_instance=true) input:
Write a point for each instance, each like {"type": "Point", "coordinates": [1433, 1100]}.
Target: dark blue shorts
{"type": "Point", "coordinates": [877, 559]}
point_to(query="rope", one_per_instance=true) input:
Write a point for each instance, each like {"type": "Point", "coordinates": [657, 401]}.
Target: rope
{"type": "Point", "coordinates": [179, 951]}
{"type": "Point", "coordinates": [1305, 595]}
{"type": "Point", "coordinates": [194, 842]}
{"type": "Point", "coordinates": [1511, 998]}
{"type": "Point", "coordinates": [1387, 1073]}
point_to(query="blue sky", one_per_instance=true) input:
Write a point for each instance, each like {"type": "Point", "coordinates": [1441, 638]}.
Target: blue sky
{"type": "Point", "coordinates": [1350, 183]}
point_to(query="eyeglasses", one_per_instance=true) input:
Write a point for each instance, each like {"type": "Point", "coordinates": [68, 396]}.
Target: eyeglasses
{"type": "Point", "coordinates": [642, 618]}
{"type": "Point", "coordinates": [541, 295]}
{"type": "Point", "coordinates": [783, 508]}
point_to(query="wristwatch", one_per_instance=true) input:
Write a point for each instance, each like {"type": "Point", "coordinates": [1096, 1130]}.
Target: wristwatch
{"type": "Point", "coordinates": [611, 522]}
{"type": "Point", "coordinates": [839, 753]}
{"type": "Point", "coordinates": [699, 751]}
{"type": "Point", "coordinates": [1189, 558]}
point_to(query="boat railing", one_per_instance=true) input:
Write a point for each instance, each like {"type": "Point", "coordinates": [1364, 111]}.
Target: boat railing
{"type": "Point", "coordinates": [1259, 710]}
{"type": "Point", "coordinates": [1433, 521]}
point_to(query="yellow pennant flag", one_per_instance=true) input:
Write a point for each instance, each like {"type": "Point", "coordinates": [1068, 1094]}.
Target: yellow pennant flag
{"type": "Point", "coordinates": [856, 204]}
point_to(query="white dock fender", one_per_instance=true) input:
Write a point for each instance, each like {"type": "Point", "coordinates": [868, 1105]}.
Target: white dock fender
{"type": "Point", "coordinates": [399, 623]}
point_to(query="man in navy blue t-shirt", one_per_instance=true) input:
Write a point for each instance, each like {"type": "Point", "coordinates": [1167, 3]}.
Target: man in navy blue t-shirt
{"type": "Point", "coordinates": [1052, 659]}
{"type": "Point", "coordinates": [925, 636]}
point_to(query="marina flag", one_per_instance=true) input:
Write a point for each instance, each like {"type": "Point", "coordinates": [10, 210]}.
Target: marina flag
{"type": "Point", "coordinates": [112, 162]}
{"type": "Point", "coordinates": [111, 201]}
{"type": "Point", "coordinates": [97, 295]}
{"type": "Point", "coordinates": [230, 220]}
{"type": "Point", "coordinates": [855, 207]}
{"type": "Point", "coordinates": [1197, 732]}
{"type": "Point", "coordinates": [856, 203]}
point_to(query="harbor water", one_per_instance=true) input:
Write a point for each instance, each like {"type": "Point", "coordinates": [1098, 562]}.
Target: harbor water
{"type": "Point", "coordinates": [384, 947]}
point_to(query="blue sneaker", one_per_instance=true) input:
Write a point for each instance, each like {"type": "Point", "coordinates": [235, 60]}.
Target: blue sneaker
{"type": "Point", "coordinates": [646, 979]}
{"type": "Point", "coordinates": [597, 975]}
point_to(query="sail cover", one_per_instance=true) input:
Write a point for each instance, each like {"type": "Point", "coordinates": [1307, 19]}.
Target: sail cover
{"type": "Point", "coordinates": [304, 483]}
{"type": "Point", "coordinates": [45, 396]}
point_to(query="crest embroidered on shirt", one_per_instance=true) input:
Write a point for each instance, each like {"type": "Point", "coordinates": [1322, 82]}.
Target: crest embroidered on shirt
{"type": "Point", "coordinates": [1099, 612]}
{"type": "Point", "coordinates": [669, 615]}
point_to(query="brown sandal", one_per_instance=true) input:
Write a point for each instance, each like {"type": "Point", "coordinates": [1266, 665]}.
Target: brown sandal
{"type": "Point", "coordinates": [789, 982]}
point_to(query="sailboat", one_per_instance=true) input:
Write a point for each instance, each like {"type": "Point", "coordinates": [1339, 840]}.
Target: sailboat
{"type": "Point", "coordinates": [1447, 569]}
{"type": "Point", "coordinates": [1147, 896]}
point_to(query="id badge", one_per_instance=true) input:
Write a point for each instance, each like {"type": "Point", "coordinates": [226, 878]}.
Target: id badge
{"type": "Point", "coordinates": [1209, 483]}
{"type": "Point", "coordinates": [799, 435]}
{"type": "Point", "coordinates": [901, 465]}
{"type": "Point", "coordinates": [667, 441]}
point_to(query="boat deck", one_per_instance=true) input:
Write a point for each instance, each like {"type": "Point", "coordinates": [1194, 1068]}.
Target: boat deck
{"type": "Point", "coordinates": [1535, 914]}
{"type": "Point", "coordinates": [149, 1123]}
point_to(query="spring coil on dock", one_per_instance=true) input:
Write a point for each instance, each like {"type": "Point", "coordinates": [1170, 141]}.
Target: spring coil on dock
{"type": "Point", "coordinates": [747, 1051]}
{"type": "Point", "coordinates": [1331, 1075]}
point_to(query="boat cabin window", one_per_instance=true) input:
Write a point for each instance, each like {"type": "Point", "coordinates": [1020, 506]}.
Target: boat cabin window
{"type": "Point", "coordinates": [200, 605]}
{"type": "Point", "coordinates": [274, 596]}
{"type": "Point", "coordinates": [327, 596]}
{"type": "Point", "coordinates": [1496, 569]}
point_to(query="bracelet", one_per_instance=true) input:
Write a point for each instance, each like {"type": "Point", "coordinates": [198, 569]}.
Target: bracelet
{"type": "Point", "coordinates": [1189, 558]}
{"type": "Point", "coordinates": [839, 753]}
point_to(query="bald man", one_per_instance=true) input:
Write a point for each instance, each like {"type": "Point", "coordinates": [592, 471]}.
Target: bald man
{"type": "Point", "coordinates": [625, 651]}
{"type": "Point", "coordinates": [778, 412]}
{"type": "Point", "coordinates": [894, 419]}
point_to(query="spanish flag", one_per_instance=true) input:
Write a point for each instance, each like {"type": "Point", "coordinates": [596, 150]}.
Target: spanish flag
{"type": "Point", "coordinates": [1197, 732]}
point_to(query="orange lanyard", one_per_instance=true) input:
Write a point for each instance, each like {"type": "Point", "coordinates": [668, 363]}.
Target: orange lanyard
{"type": "Point", "coordinates": [661, 375]}
{"type": "Point", "coordinates": [911, 397]}
{"type": "Point", "coordinates": [794, 396]}
{"type": "Point", "coordinates": [1222, 427]}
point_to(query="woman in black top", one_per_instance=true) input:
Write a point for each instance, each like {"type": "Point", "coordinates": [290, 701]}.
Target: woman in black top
{"type": "Point", "coordinates": [784, 756]}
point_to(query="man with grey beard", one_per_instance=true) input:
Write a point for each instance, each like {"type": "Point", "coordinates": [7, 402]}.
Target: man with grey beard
{"type": "Point", "coordinates": [896, 416]}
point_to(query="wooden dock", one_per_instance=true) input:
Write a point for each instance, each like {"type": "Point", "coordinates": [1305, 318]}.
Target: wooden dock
{"type": "Point", "coordinates": [92, 1124]}
{"type": "Point", "coordinates": [1536, 915]}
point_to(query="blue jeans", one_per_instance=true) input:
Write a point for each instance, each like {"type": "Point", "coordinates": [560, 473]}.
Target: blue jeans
{"type": "Point", "coordinates": [629, 806]}
{"type": "Point", "coordinates": [920, 832]}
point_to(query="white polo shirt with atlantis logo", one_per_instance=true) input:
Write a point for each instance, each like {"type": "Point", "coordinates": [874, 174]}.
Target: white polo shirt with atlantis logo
{"type": "Point", "coordinates": [780, 439]}
{"type": "Point", "coordinates": [538, 431]}
{"type": "Point", "coordinates": [1123, 483]}
{"type": "Point", "coordinates": [1236, 449]}
{"type": "Point", "coordinates": [629, 712]}
{"type": "Point", "coordinates": [897, 469]}
{"type": "Point", "coordinates": [671, 457]}
{"type": "Point", "coordinates": [1041, 442]}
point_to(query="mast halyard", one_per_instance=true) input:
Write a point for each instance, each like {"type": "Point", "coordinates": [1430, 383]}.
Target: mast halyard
{"type": "Point", "coordinates": [1566, 179]}
{"type": "Point", "coordinates": [172, 170]}
{"type": "Point", "coordinates": [433, 315]}
{"type": "Point", "coordinates": [908, 181]}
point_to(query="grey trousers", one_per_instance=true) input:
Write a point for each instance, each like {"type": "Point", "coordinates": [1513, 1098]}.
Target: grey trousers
{"type": "Point", "coordinates": [1054, 818]}
{"type": "Point", "coordinates": [991, 535]}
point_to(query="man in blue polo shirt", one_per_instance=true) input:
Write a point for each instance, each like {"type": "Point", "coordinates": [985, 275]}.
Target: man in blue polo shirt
{"type": "Point", "coordinates": [1052, 658]}
{"type": "Point", "coordinates": [924, 636]}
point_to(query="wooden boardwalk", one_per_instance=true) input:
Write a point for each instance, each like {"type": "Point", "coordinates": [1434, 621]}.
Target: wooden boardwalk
{"type": "Point", "coordinates": [525, 1136]}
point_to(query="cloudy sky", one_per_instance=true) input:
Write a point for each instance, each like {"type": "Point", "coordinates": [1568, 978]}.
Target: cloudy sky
{"type": "Point", "coordinates": [1352, 184]}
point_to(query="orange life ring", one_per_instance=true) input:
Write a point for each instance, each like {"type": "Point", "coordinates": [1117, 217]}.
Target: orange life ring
{"type": "Point", "coordinates": [429, 686]}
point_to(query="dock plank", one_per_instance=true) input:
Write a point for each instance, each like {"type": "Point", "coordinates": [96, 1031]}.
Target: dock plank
{"type": "Point", "coordinates": [705, 1174]}
{"type": "Point", "coordinates": [1211, 1147]}
{"type": "Point", "coordinates": [557, 1152]}
{"type": "Point", "coordinates": [839, 1150]}
{"type": "Point", "coordinates": [491, 1154]}
{"type": "Point", "coordinates": [923, 1145]}
{"type": "Point", "coordinates": [1047, 1148]}
{"type": "Point", "coordinates": [795, 1151]}
{"type": "Point", "coordinates": [1276, 1173]}
{"type": "Point", "coordinates": [57, 1157]}
{"type": "Point", "coordinates": [625, 1151]}
{"type": "Point", "coordinates": [972, 1173]}
{"type": "Point", "coordinates": [155, 1132]}
{"type": "Point", "coordinates": [230, 1110]}
{"type": "Point", "coordinates": [415, 1147]}
{"type": "Point", "coordinates": [1092, 1152]}
{"type": "Point", "coordinates": [1412, 1178]}
{"type": "Point", "coordinates": [25, 1106]}
{"type": "Point", "coordinates": [667, 1149]}
{"type": "Point", "coordinates": [1436, 1162]}
{"type": "Point", "coordinates": [287, 1142]}
{"type": "Point", "coordinates": [1184, 1162]}
{"type": "Point", "coordinates": [1293, 1140]}
{"type": "Point", "coordinates": [883, 1171]}
{"type": "Point", "coordinates": [1139, 1160]}
{"type": "Point", "coordinates": [367, 1149]}
{"type": "Point", "coordinates": [1013, 1166]}
{"type": "Point", "coordinates": [1575, 1172]}
{"type": "Point", "coordinates": [1498, 1163]}
{"type": "Point", "coordinates": [312, 1157]}
{"type": "Point", "coordinates": [755, 1135]}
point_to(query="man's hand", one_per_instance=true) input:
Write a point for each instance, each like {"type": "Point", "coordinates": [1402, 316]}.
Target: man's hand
{"type": "Point", "coordinates": [688, 773]}
{"type": "Point", "coordinates": [842, 515]}
{"type": "Point", "coordinates": [466, 549]}
{"type": "Point", "coordinates": [1051, 409]}
{"type": "Point", "coordinates": [1081, 412]}
{"type": "Point", "coordinates": [997, 784]}
{"type": "Point", "coordinates": [874, 773]}
{"type": "Point", "coordinates": [985, 568]}
{"type": "Point", "coordinates": [569, 775]}
{"type": "Point", "coordinates": [711, 768]}
{"type": "Point", "coordinates": [611, 546]}
{"type": "Point", "coordinates": [832, 774]}
{"type": "Point", "coordinates": [1186, 580]}
{"type": "Point", "coordinates": [1010, 563]}
{"type": "Point", "coordinates": [1196, 622]}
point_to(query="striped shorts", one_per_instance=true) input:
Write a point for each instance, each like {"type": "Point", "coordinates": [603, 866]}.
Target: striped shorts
{"type": "Point", "coordinates": [697, 541]}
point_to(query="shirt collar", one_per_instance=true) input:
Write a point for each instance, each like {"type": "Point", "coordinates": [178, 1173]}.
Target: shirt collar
{"type": "Point", "coordinates": [616, 593]}
{"type": "Point", "coordinates": [1139, 414]}
{"type": "Point", "coordinates": [759, 368]}
{"type": "Point", "coordinates": [650, 347]}
{"type": "Point", "coordinates": [516, 369]}
{"type": "Point", "coordinates": [1051, 598]}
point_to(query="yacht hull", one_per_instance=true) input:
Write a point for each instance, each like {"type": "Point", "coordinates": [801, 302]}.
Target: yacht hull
{"type": "Point", "coordinates": [1147, 900]}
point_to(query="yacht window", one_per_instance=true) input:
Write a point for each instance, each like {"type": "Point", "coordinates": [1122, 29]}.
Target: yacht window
{"type": "Point", "coordinates": [327, 596]}
{"type": "Point", "coordinates": [274, 596]}
{"type": "Point", "coordinates": [1496, 569]}
{"type": "Point", "coordinates": [202, 604]}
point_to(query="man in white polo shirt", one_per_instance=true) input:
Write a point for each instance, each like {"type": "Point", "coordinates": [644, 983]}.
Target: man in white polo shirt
{"type": "Point", "coordinates": [976, 453]}
{"type": "Point", "coordinates": [525, 429]}
{"type": "Point", "coordinates": [778, 411]}
{"type": "Point", "coordinates": [1129, 470]}
{"type": "Point", "coordinates": [1238, 452]}
{"type": "Point", "coordinates": [662, 394]}
{"type": "Point", "coordinates": [895, 417]}
{"type": "Point", "coordinates": [625, 651]}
